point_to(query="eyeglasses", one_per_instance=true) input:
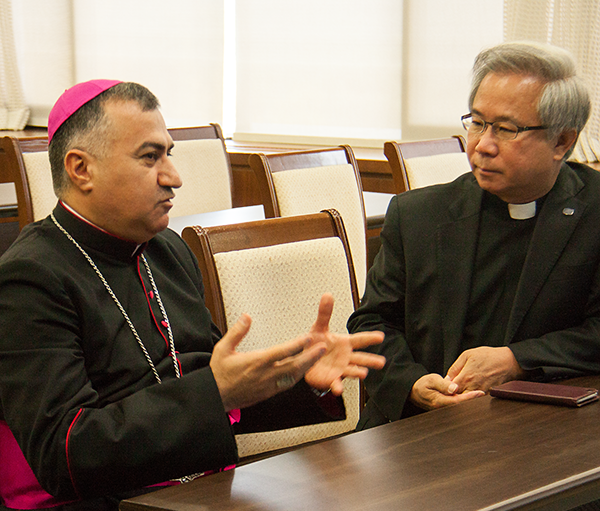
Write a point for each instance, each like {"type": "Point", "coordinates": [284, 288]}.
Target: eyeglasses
{"type": "Point", "coordinates": [504, 130]}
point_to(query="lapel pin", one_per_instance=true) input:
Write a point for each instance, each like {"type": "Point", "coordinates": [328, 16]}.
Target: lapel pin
{"type": "Point", "coordinates": [568, 211]}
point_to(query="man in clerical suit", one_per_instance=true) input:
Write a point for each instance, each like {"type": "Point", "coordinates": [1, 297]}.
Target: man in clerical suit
{"type": "Point", "coordinates": [495, 276]}
{"type": "Point", "coordinates": [113, 378]}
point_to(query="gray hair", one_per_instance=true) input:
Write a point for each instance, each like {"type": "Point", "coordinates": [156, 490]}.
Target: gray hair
{"type": "Point", "coordinates": [87, 129]}
{"type": "Point", "coordinates": [564, 103]}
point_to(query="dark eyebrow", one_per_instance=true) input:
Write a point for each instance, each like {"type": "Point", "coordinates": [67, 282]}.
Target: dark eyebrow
{"type": "Point", "coordinates": [155, 145]}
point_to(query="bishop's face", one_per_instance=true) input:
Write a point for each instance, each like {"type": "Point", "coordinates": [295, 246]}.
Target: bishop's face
{"type": "Point", "coordinates": [132, 183]}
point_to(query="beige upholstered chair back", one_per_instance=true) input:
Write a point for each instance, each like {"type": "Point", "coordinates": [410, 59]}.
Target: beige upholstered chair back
{"type": "Point", "coordinates": [39, 178]}
{"type": "Point", "coordinates": [426, 163]}
{"type": "Point", "coordinates": [432, 170]}
{"type": "Point", "coordinates": [279, 282]}
{"type": "Point", "coordinates": [311, 181]}
{"type": "Point", "coordinates": [280, 287]}
{"type": "Point", "coordinates": [200, 157]}
{"type": "Point", "coordinates": [24, 162]}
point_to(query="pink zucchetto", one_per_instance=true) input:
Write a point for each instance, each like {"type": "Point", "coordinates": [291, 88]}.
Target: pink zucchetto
{"type": "Point", "coordinates": [73, 99]}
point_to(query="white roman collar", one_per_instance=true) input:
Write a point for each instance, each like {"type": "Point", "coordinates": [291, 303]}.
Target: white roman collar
{"type": "Point", "coordinates": [522, 211]}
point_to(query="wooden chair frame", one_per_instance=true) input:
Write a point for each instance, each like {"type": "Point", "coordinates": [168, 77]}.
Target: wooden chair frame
{"type": "Point", "coordinates": [397, 152]}
{"type": "Point", "coordinates": [13, 171]}
{"type": "Point", "coordinates": [205, 242]}
{"type": "Point", "coordinates": [12, 167]}
{"type": "Point", "coordinates": [212, 131]}
{"type": "Point", "coordinates": [265, 165]}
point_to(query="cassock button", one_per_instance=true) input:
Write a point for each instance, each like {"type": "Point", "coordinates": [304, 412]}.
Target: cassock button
{"type": "Point", "coordinates": [164, 323]}
{"type": "Point", "coordinates": [568, 211]}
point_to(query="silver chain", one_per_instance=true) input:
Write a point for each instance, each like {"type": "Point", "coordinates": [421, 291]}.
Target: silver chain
{"type": "Point", "coordinates": [184, 479]}
{"type": "Point", "coordinates": [118, 303]}
{"type": "Point", "coordinates": [164, 315]}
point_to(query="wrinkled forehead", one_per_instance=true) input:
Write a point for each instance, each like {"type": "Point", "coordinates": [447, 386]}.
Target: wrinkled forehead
{"type": "Point", "coordinates": [509, 96]}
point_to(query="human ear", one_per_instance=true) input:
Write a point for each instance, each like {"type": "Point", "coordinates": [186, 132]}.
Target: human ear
{"type": "Point", "coordinates": [564, 142]}
{"type": "Point", "coordinates": [77, 166]}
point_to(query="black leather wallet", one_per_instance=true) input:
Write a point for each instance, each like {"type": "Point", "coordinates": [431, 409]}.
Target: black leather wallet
{"type": "Point", "coordinates": [550, 393]}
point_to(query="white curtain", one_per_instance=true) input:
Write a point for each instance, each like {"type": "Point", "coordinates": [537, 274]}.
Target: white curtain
{"type": "Point", "coordinates": [441, 40]}
{"type": "Point", "coordinates": [319, 68]}
{"type": "Point", "coordinates": [575, 26]}
{"type": "Point", "coordinates": [13, 111]}
{"type": "Point", "coordinates": [44, 39]}
{"type": "Point", "coordinates": [174, 48]}
{"type": "Point", "coordinates": [350, 69]}
{"type": "Point", "coordinates": [315, 71]}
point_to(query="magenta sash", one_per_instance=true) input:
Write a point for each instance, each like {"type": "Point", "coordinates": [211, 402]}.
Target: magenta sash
{"type": "Point", "coordinates": [19, 488]}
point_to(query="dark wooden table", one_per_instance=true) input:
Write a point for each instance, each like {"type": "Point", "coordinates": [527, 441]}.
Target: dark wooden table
{"type": "Point", "coordinates": [375, 208]}
{"type": "Point", "coordinates": [374, 169]}
{"type": "Point", "coordinates": [487, 454]}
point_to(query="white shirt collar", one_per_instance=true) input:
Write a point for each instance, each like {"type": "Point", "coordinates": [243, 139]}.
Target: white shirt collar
{"type": "Point", "coordinates": [522, 211]}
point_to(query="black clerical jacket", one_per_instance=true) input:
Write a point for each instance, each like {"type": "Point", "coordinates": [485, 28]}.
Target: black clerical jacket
{"type": "Point", "coordinates": [418, 288]}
